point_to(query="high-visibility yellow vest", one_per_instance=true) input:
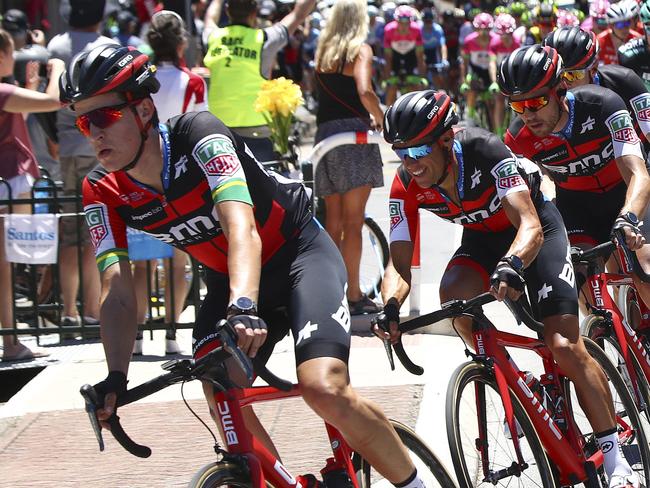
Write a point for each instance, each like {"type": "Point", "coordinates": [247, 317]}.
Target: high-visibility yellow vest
{"type": "Point", "coordinates": [234, 59]}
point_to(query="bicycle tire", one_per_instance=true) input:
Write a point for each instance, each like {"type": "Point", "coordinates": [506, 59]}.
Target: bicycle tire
{"type": "Point", "coordinates": [629, 407]}
{"type": "Point", "coordinates": [370, 271]}
{"type": "Point", "coordinates": [478, 373]}
{"type": "Point", "coordinates": [416, 447]}
{"type": "Point", "coordinates": [220, 473]}
{"type": "Point", "coordinates": [595, 327]}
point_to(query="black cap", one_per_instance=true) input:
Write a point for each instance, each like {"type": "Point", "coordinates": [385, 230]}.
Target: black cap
{"type": "Point", "coordinates": [82, 13]}
{"type": "Point", "coordinates": [15, 20]}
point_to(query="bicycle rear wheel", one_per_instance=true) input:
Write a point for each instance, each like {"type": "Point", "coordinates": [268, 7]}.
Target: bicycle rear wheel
{"type": "Point", "coordinates": [480, 446]}
{"type": "Point", "coordinates": [220, 473]}
{"type": "Point", "coordinates": [599, 330]}
{"type": "Point", "coordinates": [635, 447]}
{"type": "Point", "coordinates": [429, 467]}
{"type": "Point", "coordinates": [374, 258]}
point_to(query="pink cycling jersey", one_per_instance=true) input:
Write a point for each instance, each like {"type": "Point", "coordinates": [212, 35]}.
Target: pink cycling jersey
{"type": "Point", "coordinates": [499, 48]}
{"type": "Point", "coordinates": [399, 42]}
{"type": "Point", "coordinates": [479, 56]}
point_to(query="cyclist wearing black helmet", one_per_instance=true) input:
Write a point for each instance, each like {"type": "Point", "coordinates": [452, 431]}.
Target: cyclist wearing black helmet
{"type": "Point", "coordinates": [579, 50]}
{"type": "Point", "coordinates": [585, 142]}
{"type": "Point", "coordinates": [193, 183]}
{"type": "Point", "coordinates": [512, 237]}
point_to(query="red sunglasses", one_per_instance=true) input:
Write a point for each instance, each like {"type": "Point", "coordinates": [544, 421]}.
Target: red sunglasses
{"type": "Point", "coordinates": [102, 117]}
{"type": "Point", "coordinates": [532, 104]}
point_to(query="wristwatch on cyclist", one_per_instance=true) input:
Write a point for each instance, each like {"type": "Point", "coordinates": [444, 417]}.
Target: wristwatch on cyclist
{"type": "Point", "coordinates": [515, 262]}
{"type": "Point", "coordinates": [631, 218]}
{"type": "Point", "coordinates": [242, 306]}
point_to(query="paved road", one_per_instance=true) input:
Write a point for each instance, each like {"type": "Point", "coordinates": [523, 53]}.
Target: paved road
{"type": "Point", "coordinates": [45, 439]}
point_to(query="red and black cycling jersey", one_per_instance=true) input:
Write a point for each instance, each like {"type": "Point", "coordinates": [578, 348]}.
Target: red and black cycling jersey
{"type": "Point", "coordinates": [487, 172]}
{"type": "Point", "coordinates": [634, 54]}
{"type": "Point", "coordinates": [203, 164]}
{"type": "Point", "coordinates": [582, 156]}
{"type": "Point", "coordinates": [632, 90]}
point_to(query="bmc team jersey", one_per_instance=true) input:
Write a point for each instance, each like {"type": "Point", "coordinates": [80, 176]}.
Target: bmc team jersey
{"type": "Point", "coordinates": [608, 54]}
{"type": "Point", "coordinates": [487, 172]}
{"type": "Point", "coordinates": [630, 87]}
{"type": "Point", "coordinates": [403, 46]}
{"type": "Point", "coordinates": [203, 164]}
{"type": "Point", "coordinates": [582, 156]}
{"type": "Point", "coordinates": [180, 91]}
{"type": "Point", "coordinates": [634, 55]}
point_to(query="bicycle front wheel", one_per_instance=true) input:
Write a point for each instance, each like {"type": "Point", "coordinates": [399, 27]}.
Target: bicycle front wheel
{"type": "Point", "coordinates": [480, 443]}
{"type": "Point", "coordinates": [429, 467]}
{"type": "Point", "coordinates": [374, 258]}
{"type": "Point", "coordinates": [220, 473]}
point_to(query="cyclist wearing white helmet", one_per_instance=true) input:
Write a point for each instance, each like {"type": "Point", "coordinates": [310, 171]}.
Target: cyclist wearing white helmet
{"type": "Point", "coordinates": [597, 20]}
{"type": "Point", "coordinates": [619, 19]}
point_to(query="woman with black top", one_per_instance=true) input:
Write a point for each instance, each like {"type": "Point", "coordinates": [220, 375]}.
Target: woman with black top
{"type": "Point", "coordinates": [347, 102]}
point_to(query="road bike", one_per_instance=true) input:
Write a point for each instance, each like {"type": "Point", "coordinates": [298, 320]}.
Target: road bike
{"type": "Point", "coordinates": [244, 461]}
{"type": "Point", "coordinates": [622, 328]}
{"type": "Point", "coordinates": [554, 444]}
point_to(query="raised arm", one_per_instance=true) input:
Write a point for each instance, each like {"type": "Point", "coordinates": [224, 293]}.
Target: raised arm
{"type": "Point", "coordinates": [299, 13]}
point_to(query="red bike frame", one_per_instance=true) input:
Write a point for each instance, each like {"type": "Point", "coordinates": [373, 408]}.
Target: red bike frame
{"type": "Point", "coordinates": [602, 301]}
{"type": "Point", "coordinates": [263, 464]}
{"type": "Point", "coordinates": [564, 448]}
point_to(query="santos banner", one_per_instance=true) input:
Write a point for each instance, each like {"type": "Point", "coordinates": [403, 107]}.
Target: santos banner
{"type": "Point", "coordinates": [31, 239]}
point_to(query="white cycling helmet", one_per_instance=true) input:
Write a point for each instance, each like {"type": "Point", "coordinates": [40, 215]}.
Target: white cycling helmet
{"type": "Point", "coordinates": [619, 12]}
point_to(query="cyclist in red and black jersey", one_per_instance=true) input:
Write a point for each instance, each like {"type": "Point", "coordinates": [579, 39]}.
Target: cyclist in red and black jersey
{"type": "Point", "coordinates": [193, 183]}
{"type": "Point", "coordinates": [585, 141]}
{"type": "Point", "coordinates": [579, 51]}
{"type": "Point", "coordinates": [511, 236]}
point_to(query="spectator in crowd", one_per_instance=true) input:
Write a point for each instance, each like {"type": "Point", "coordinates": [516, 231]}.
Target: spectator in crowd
{"type": "Point", "coordinates": [347, 102]}
{"type": "Point", "coordinates": [180, 91]}
{"type": "Point", "coordinates": [238, 70]}
{"type": "Point", "coordinates": [77, 158]}
{"type": "Point", "coordinates": [126, 25]}
{"type": "Point", "coordinates": [19, 168]}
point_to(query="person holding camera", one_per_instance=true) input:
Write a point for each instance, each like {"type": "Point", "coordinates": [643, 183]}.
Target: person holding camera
{"type": "Point", "coordinates": [18, 169]}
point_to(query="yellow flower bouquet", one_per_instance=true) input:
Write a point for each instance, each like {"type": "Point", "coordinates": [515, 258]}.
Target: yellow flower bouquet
{"type": "Point", "coordinates": [277, 101]}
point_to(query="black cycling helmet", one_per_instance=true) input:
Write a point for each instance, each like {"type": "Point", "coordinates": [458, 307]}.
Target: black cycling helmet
{"type": "Point", "coordinates": [108, 68]}
{"type": "Point", "coordinates": [417, 115]}
{"type": "Point", "coordinates": [577, 47]}
{"type": "Point", "coordinates": [529, 68]}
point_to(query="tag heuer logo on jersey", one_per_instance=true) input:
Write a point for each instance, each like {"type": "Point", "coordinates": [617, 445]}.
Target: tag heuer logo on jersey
{"type": "Point", "coordinates": [641, 106]}
{"type": "Point", "coordinates": [395, 211]}
{"type": "Point", "coordinates": [96, 224]}
{"type": "Point", "coordinates": [620, 126]}
{"type": "Point", "coordinates": [506, 174]}
{"type": "Point", "coordinates": [216, 155]}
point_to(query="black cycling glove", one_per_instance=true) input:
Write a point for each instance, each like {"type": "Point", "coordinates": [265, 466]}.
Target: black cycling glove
{"type": "Point", "coordinates": [248, 321]}
{"type": "Point", "coordinates": [621, 222]}
{"type": "Point", "coordinates": [388, 315]}
{"type": "Point", "coordinates": [506, 273]}
{"type": "Point", "coordinates": [115, 382]}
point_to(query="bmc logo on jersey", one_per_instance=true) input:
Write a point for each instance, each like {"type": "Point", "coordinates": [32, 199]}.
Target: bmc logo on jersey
{"type": "Point", "coordinates": [621, 128]}
{"type": "Point", "coordinates": [641, 106]}
{"type": "Point", "coordinates": [507, 175]}
{"type": "Point", "coordinates": [96, 223]}
{"type": "Point", "coordinates": [216, 155]}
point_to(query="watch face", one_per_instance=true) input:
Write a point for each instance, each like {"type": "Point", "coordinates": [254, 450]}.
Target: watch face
{"type": "Point", "coordinates": [244, 303]}
{"type": "Point", "coordinates": [632, 218]}
{"type": "Point", "coordinates": [516, 262]}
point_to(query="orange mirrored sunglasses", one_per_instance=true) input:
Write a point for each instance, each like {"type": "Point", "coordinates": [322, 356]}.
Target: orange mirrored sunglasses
{"type": "Point", "coordinates": [532, 104]}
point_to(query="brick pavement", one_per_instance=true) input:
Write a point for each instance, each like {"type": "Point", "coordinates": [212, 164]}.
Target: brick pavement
{"type": "Point", "coordinates": [58, 448]}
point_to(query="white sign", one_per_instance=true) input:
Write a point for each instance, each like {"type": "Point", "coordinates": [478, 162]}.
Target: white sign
{"type": "Point", "coordinates": [31, 239]}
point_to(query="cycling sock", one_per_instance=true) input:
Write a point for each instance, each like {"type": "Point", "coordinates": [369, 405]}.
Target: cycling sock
{"type": "Point", "coordinates": [413, 481]}
{"type": "Point", "coordinates": [615, 463]}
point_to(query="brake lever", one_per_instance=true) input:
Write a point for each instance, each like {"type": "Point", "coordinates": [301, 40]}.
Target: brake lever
{"type": "Point", "coordinates": [388, 347]}
{"type": "Point", "coordinates": [229, 339]}
{"type": "Point", "coordinates": [92, 404]}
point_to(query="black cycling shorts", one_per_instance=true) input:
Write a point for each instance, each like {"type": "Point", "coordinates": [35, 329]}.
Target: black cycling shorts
{"type": "Point", "coordinates": [589, 217]}
{"type": "Point", "coordinates": [404, 62]}
{"type": "Point", "coordinates": [550, 278]}
{"type": "Point", "coordinates": [302, 290]}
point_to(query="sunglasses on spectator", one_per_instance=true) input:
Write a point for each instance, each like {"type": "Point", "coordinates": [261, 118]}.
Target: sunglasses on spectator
{"type": "Point", "coordinates": [102, 117]}
{"type": "Point", "coordinates": [414, 152]}
{"type": "Point", "coordinates": [574, 74]}
{"type": "Point", "coordinates": [623, 24]}
{"type": "Point", "coordinates": [532, 104]}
